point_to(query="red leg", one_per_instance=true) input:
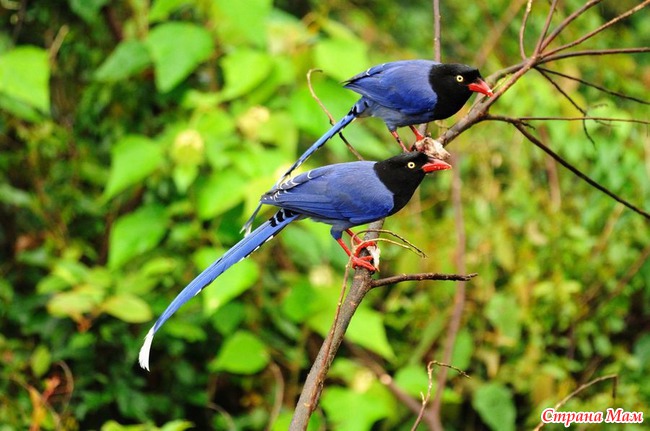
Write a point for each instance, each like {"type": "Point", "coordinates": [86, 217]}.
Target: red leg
{"type": "Point", "coordinates": [416, 132]}
{"type": "Point", "coordinates": [357, 261]}
{"type": "Point", "coordinates": [358, 241]}
{"type": "Point", "coordinates": [399, 141]}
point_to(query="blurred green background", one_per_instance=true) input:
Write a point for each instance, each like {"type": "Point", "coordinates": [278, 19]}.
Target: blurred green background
{"type": "Point", "coordinates": [136, 137]}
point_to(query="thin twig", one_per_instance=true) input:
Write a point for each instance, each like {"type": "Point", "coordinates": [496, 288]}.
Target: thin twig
{"type": "Point", "coordinates": [599, 29]}
{"type": "Point", "coordinates": [564, 24]}
{"type": "Point", "coordinates": [547, 24]}
{"type": "Point", "coordinates": [329, 116]}
{"type": "Point", "coordinates": [522, 30]}
{"type": "Point", "coordinates": [420, 277]}
{"type": "Point", "coordinates": [522, 128]}
{"type": "Point", "coordinates": [592, 85]}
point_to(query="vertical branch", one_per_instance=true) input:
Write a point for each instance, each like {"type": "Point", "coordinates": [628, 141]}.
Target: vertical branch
{"type": "Point", "coordinates": [436, 30]}
{"type": "Point", "coordinates": [544, 31]}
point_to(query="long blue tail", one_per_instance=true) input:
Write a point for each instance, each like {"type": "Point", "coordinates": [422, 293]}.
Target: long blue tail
{"type": "Point", "coordinates": [239, 251]}
{"type": "Point", "coordinates": [336, 128]}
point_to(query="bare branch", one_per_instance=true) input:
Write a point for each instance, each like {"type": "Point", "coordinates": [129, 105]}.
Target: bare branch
{"type": "Point", "coordinates": [437, 53]}
{"type": "Point", "coordinates": [592, 85]}
{"type": "Point", "coordinates": [420, 277]}
{"type": "Point", "coordinates": [600, 29]}
{"type": "Point", "coordinates": [522, 29]}
{"type": "Point", "coordinates": [522, 128]}
{"type": "Point", "coordinates": [544, 31]}
{"type": "Point", "coordinates": [568, 21]}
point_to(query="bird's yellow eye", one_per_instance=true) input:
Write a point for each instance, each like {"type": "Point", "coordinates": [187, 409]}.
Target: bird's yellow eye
{"type": "Point", "coordinates": [411, 165]}
{"type": "Point", "coordinates": [459, 78]}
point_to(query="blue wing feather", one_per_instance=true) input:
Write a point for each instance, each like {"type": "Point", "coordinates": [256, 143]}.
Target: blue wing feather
{"type": "Point", "coordinates": [400, 85]}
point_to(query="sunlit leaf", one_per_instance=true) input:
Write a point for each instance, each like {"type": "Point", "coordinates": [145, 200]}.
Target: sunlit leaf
{"type": "Point", "coordinates": [244, 70]}
{"type": "Point", "coordinates": [128, 307]}
{"type": "Point", "coordinates": [128, 58]}
{"type": "Point", "coordinates": [494, 404]}
{"type": "Point", "coordinates": [136, 233]}
{"type": "Point", "coordinates": [241, 21]}
{"type": "Point", "coordinates": [41, 360]}
{"type": "Point", "coordinates": [133, 158]}
{"type": "Point", "coordinates": [177, 48]}
{"type": "Point", "coordinates": [218, 193]}
{"type": "Point", "coordinates": [242, 353]}
{"type": "Point", "coordinates": [25, 76]}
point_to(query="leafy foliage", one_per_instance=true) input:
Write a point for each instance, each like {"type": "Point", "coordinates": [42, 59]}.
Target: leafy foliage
{"type": "Point", "coordinates": [136, 137]}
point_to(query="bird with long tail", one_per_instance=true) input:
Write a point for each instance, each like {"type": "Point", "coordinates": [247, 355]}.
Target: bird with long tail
{"type": "Point", "coordinates": [342, 195]}
{"type": "Point", "coordinates": [402, 93]}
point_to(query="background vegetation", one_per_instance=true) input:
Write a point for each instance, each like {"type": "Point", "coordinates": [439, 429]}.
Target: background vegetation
{"type": "Point", "coordinates": [137, 136]}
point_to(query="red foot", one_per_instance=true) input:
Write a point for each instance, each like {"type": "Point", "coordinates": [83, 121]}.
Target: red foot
{"type": "Point", "coordinates": [363, 262]}
{"type": "Point", "coordinates": [416, 132]}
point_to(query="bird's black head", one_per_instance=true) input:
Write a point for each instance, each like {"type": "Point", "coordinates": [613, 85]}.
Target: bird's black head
{"type": "Point", "coordinates": [454, 84]}
{"type": "Point", "coordinates": [403, 174]}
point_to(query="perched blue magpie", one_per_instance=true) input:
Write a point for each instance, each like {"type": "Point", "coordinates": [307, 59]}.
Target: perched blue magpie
{"type": "Point", "coordinates": [403, 93]}
{"type": "Point", "coordinates": [342, 195]}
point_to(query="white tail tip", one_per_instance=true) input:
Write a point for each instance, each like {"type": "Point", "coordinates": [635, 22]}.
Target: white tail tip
{"type": "Point", "coordinates": [143, 357]}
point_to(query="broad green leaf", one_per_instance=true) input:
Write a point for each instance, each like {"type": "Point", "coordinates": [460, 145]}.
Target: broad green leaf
{"type": "Point", "coordinates": [25, 76]}
{"type": "Point", "coordinates": [41, 360]}
{"type": "Point", "coordinates": [341, 58]}
{"type": "Point", "coordinates": [177, 48]}
{"type": "Point", "coordinates": [218, 193]}
{"type": "Point", "coordinates": [128, 307]}
{"type": "Point", "coordinates": [128, 58]}
{"type": "Point", "coordinates": [241, 22]}
{"type": "Point", "coordinates": [74, 303]}
{"type": "Point", "coordinates": [357, 411]}
{"type": "Point", "coordinates": [242, 353]}
{"type": "Point", "coordinates": [413, 379]}
{"type": "Point", "coordinates": [87, 9]}
{"type": "Point", "coordinates": [494, 404]}
{"type": "Point", "coordinates": [366, 329]}
{"type": "Point", "coordinates": [136, 233]}
{"type": "Point", "coordinates": [133, 158]}
{"type": "Point", "coordinates": [161, 9]}
{"type": "Point", "coordinates": [177, 425]}
{"type": "Point", "coordinates": [243, 70]}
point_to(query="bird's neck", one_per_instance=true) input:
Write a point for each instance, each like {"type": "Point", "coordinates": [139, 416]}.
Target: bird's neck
{"type": "Point", "coordinates": [400, 183]}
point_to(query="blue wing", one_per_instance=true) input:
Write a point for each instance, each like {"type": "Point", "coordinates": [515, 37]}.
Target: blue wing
{"type": "Point", "coordinates": [239, 251]}
{"type": "Point", "coordinates": [343, 195]}
{"type": "Point", "coordinates": [400, 85]}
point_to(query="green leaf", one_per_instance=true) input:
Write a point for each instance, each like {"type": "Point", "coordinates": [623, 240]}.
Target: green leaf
{"type": "Point", "coordinates": [88, 10]}
{"type": "Point", "coordinates": [136, 233]}
{"type": "Point", "coordinates": [128, 307]}
{"type": "Point", "coordinates": [133, 158]}
{"type": "Point", "coordinates": [128, 58]}
{"type": "Point", "coordinates": [218, 193]}
{"type": "Point", "coordinates": [74, 304]}
{"type": "Point", "coordinates": [41, 360]}
{"type": "Point", "coordinates": [177, 48]}
{"type": "Point", "coordinates": [413, 379]}
{"type": "Point", "coordinates": [243, 70]}
{"type": "Point", "coordinates": [357, 411]}
{"type": "Point", "coordinates": [161, 9]}
{"type": "Point", "coordinates": [241, 21]}
{"type": "Point", "coordinates": [242, 353]}
{"type": "Point", "coordinates": [25, 76]}
{"type": "Point", "coordinates": [494, 404]}
{"type": "Point", "coordinates": [341, 58]}
{"type": "Point", "coordinates": [366, 329]}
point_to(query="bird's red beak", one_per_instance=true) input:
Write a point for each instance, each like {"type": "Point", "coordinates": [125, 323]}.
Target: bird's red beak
{"type": "Point", "coordinates": [481, 87]}
{"type": "Point", "coordinates": [436, 165]}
